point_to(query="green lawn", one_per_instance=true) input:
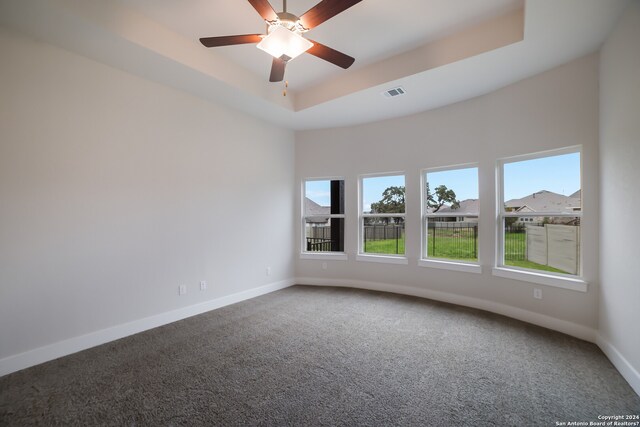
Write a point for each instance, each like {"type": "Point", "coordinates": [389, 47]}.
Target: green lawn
{"type": "Point", "coordinates": [388, 246]}
{"type": "Point", "coordinates": [452, 244]}
{"type": "Point", "coordinates": [459, 245]}
{"type": "Point", "coordinates": [514, 244]}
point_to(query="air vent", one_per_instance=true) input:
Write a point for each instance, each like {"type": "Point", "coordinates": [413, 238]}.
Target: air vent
{"type": "Point", "coordinates": [396, 91]}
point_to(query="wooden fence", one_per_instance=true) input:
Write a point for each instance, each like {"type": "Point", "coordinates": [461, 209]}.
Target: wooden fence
{"type": "Point", "coordinates": [383, 232]}
{"type": "Point", "coordinates": [557, 246]}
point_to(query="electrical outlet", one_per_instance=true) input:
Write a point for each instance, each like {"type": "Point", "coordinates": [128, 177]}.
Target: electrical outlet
{"type": "Point", "coordinates": [203, 285]}
{"type": "Point", "coordinates": [182, 289]}
{"type": "Point", "coordinates": [537, 293]}
{"type": "Point", "coordinates": [324, 265]}
{"type": "Point", "coordinates": [268, 271]}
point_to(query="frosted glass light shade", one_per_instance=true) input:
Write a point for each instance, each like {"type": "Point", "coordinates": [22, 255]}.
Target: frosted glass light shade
{"type": "Point", "coordinates": [284, 42]}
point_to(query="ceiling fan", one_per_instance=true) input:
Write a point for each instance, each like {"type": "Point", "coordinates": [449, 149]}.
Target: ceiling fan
{"type": "Point", "coordinates": [284, 39]}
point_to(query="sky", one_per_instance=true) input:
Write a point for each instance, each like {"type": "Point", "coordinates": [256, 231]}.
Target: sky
{"type": "Point", "coordinates": [464, 182]}
{"type": "Point", "coordinates": [560, 174]}
{"type": "Point", "coordinates": [319, 192]}
{"type": "Point", "coordinates": [373, 187]}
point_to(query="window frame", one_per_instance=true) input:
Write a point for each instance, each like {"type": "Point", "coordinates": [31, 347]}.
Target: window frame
{"type": "Point", "coordinates": [444, 263]}
{"type": "Point", "coordinates": [324, 255]}
{"type": "Point", "coordinates": [567, 281]}
{"type": "Point", "coordinates": [374, 257]}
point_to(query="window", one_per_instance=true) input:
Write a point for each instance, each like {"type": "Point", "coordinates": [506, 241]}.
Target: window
{"type": "Point", "coordinates": [323, 207]}
{"type": "Point", "coordinates": [450, 209]}
{"type": "Point", "coordinates": [540, 213]}
{"type": "Point", "coordinates": [382, 207]}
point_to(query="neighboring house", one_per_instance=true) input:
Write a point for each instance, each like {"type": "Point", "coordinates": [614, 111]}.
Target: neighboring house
{"type": "Point", "coordinates": [545, 201]}
{"type": "Point", "coordinates": [466, 212]}
{"type": "Point", "coordinates": [312, 208]}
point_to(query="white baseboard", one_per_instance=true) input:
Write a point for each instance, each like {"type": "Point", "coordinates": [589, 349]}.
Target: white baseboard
{"type": "Point", "coordinates": [72, 345]}
{"type": "Point", "coordinates": [625, 368]}
{"type": "Point", "coordinates": [564, 326]}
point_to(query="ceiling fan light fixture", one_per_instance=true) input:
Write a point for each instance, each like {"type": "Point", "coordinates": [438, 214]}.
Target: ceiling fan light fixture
{"type": "Point", "coordinates": [284, 44]}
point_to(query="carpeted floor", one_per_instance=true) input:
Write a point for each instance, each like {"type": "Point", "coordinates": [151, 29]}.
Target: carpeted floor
{"type": "Point", "coordinates": [326, 356]}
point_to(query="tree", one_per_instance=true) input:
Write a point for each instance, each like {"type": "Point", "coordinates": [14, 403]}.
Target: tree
{"type": "Point", "coordinates": [510, 220]}
{"type": "Point", "coordinates": [441, 196]}
{"type": "Point", "coordinates": [392, 202]}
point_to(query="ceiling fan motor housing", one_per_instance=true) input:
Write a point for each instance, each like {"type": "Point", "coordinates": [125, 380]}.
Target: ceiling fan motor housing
{"type": "Point", "coordinates": [287, 20]}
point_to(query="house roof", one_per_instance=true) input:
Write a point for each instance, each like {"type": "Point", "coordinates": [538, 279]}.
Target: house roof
{"type": "Point", "coordinates": [467, 207]}
{"type": "Point", "coordinates": [544, 201]}
{"type": "Point", "coordinates": [312, 208]}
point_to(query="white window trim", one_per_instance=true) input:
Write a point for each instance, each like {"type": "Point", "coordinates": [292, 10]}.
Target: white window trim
{"type": "Point", "coordinates": [327, 256]}
{"type": "Point", "coordinates": [338, 256]}
{"type": "Point", "coordinates": [446, 264]}
{"type": "Point", "coordinates": [552, 279]}
{"type": "Point", "coordinates": [383, 258]}
{"type": "Point", "coordinates": [373, 257]}
{"type": "Point", "coordinates": [572, 214]}
{"type": "Point", "coordinates": [558, 280]}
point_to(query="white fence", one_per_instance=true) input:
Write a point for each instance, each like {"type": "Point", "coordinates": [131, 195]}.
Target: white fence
{"type": "Point", "coordinates": [557, 246]}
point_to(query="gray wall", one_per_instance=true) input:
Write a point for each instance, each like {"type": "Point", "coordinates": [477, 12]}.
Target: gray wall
{"type": "Point", "coordinates": [619, 180]}
{"type": "Point", "coordinates": [115, 190]}
{"type": "Point", "coordinates": [555, 109]}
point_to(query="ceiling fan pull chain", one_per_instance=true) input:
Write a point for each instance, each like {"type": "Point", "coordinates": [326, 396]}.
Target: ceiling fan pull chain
{"type": "Point", "coordinates": [284, 6]}
{"type": "Point", "coordinates": [286, 85]}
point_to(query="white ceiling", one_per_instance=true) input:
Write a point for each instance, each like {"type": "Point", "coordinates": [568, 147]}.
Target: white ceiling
{"type": "Point", "coordinates": [158, 39]}
{"type": "Point", "coordinates": [369, 31]}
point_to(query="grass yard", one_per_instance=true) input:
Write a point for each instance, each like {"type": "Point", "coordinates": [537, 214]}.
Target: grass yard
{"type": "Point", "coordinates": [514, 246]}
{"type": "Point", "coordinates": [387, 246]}
{"type": "Point", "coordinates": [459, 245]}
{"type": "Point", "coordinates": [452, 244]}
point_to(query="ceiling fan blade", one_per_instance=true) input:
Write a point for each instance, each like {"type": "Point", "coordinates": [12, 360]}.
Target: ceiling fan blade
{"type": "Point", "coordinates": [230, 40]}
{"type": "Point", "coordinates": [325, 10]}
{"type": "Point", "coordinates": [263, 7]}
{"type": "Point", "coordinates": [277, 70]}
{"type": "Point", "coordinates": [330, 55]}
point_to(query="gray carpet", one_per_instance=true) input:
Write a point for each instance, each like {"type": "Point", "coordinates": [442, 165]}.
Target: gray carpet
{"type": "Point", "coordinates": [326, 356]}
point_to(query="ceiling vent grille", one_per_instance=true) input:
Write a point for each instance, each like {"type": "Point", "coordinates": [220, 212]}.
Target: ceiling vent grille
{"type": "Point", "coordinates": [396, 91]}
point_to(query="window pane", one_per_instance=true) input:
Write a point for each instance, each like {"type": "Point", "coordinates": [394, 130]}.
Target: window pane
{"type": "Point", "coordinates": [545, 243]}
{"type": "Point", "coordinates": [324, 197]}
{"type": "Point", "coordinates": [324, 234]}
{"type": "Point", "coordinates": [383, 235]}
{"type": "Point", "coordinates": [383, 194]}
{"type": "Point", "coordinates": [549, 184]}
{"type": "Point", "coordinates": [454, 238]}
{"type": "Point", "coordinates": [452, 192]}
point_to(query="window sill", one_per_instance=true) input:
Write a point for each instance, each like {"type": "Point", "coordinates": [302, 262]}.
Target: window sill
{"type": "Point", "coordinates": [542, 279]}
{"type": "Point", "coordinates": [451, 265]}
{"type": "Point", "coordinates": [337, 256]}
{"type": "Point", "coordinates": [382, 259]}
